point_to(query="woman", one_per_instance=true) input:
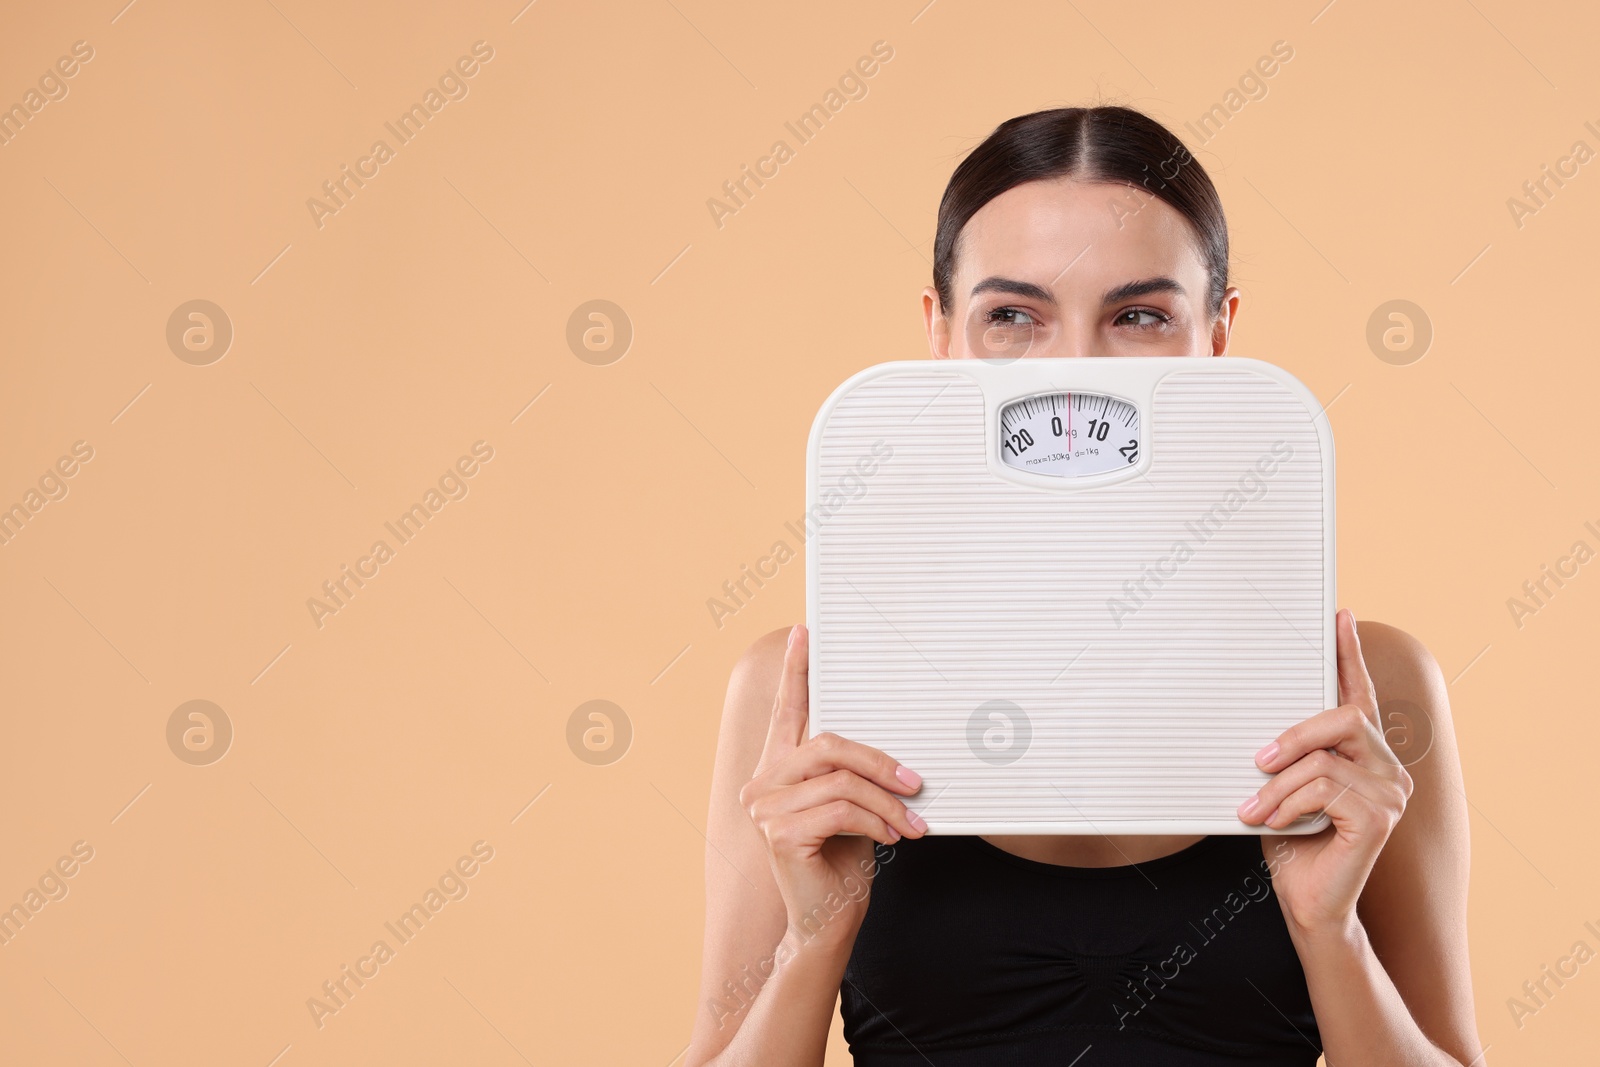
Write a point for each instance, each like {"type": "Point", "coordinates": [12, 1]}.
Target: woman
{"type": "Point", "coordinates": [1089, 232]}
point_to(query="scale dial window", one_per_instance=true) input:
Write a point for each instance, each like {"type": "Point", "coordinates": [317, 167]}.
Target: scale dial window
{"type": "Point", "coordinates": [1070, 434]}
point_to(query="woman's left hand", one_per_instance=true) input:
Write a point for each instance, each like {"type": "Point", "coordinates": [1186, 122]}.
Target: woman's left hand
{"type": "Point", "coordinates": [1360, 784]}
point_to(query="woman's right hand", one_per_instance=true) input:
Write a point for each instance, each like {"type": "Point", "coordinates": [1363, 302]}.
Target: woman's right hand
{"type": "Point", "coordinates": [805, 791]}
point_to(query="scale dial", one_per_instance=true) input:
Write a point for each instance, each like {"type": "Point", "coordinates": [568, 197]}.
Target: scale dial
{"type": "Point", "coordinates": [1069, 434]}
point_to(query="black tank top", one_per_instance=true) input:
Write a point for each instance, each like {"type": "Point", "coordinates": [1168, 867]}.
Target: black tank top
{"type": "Point", "coordinates": [971, 955]}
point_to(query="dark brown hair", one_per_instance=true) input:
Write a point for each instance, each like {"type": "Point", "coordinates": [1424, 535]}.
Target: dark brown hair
{"type": "Point", "coordinates": [1108, 144]}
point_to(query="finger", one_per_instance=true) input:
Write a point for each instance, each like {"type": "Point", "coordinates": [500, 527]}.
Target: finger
{"type": "Point", "coordinates": [1346, 729]}
{"type": "Point", "coordinates": [830, 752]}
{"type": "Point", "coordinates": [1318, 764]}
{"type": "Point", "coordinates": [807, 830]}
{"type": "Point", "coordinates": [1350, 810]}
{"type": "Point", "coordinates": [842, 785]}
{"type": "Point", "coordinates": [1355, 684]}
{"type": "Point", "coordinates": [791, 707]}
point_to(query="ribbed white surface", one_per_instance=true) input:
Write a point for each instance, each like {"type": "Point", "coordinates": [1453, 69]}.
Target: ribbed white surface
{"type": "Point", "coordinates": [943, 586]}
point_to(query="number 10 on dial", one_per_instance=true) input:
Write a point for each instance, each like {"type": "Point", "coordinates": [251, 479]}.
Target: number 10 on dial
{"type": "Point", "coordinates": [1069, 434]}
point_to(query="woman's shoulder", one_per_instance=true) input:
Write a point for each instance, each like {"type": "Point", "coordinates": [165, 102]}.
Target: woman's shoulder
{"type": "Point", "coordinates": [1412, 696]}
{"type": "Point", "coordinates": [747, 709]}
{"type": "Point", "coordinates": [1393, 653]}
{"type": "Point", "coordinates": [765, 653]}
{"type": "Point", "coordinates": [755, 674]}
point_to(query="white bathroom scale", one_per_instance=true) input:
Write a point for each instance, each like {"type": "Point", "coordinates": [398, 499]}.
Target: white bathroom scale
{"type": "Point", "coordinates": [1076, 595]}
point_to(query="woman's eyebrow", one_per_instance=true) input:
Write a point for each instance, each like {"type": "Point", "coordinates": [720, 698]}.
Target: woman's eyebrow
{"type": "Point", "coordinates": [1126, 291]}
{"type": "Point", "coordinates": [995, 284]}
{"type": "Point", "coordinates": [1143, 287]}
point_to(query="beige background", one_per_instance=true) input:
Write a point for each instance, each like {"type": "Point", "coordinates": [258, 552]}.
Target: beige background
{"type": "Point", "coordinates": [368, 354]}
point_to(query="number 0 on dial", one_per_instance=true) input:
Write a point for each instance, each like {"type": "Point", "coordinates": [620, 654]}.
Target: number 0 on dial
{"type": "Point", "coordinates": [1069, 434]}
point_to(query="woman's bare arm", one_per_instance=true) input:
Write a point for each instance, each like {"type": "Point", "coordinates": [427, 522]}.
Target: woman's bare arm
{"type": "Point", "coordinates": [744, 913]}
{"type": "Point", "coordinates": [1414, 906]}
{"type": "Point", "coordinates": [771, 967]}
{"type": "Point", "coordinates": [1377, 906]}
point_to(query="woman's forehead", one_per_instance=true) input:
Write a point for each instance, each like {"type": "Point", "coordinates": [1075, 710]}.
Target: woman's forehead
{"type": "Point", "coordinates": [1051, 231]}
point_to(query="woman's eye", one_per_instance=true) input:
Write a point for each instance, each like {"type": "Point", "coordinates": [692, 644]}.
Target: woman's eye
{"type": "Point", "coordinates": [1009, 316]}
{"type": "Point", "coordinates": [1142, 318]}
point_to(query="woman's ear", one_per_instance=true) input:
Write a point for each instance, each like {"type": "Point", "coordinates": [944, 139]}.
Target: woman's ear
{"type": "Point", "coordinates": [938, 328]}
{"type": "Point", "coordinates": [1222, 328]}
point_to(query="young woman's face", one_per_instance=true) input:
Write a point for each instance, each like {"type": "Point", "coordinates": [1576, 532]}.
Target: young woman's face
{"type": "Point", "coordinates": [1073, 268]}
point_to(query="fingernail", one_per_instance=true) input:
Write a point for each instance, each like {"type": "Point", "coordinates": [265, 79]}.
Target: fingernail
{"type": "Point", "coordinates": [1266, 754]}
{"type": "Point", "coordinates": [910, 777]}
{"type": "Point", "coordinates": [917, 822]}
{"type": "Point", "coordinates": [1248, 806]}
{"type": "Point", "coordinates": [894, 835]}
{"type": "Point", "coordinates": [792, 631]}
